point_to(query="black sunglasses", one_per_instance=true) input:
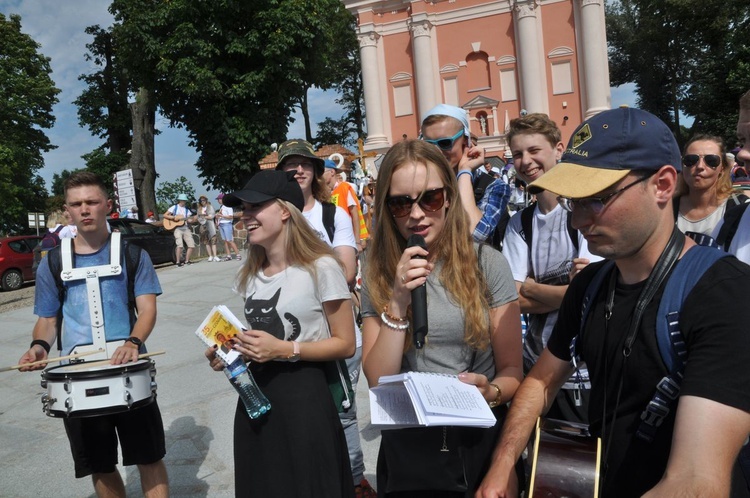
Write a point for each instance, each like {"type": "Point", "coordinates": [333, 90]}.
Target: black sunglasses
{"type": "Point", "coordinates": [711, 160]}
{"type": "Point", "coordinates": [430, 201]}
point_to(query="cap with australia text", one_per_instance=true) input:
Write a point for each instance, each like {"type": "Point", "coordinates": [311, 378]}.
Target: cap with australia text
{"type": "Point", "coordinates": [605, 148]}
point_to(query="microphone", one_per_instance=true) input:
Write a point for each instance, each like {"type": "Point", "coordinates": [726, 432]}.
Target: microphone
{"type": "Point", "coordinates": [418, 299]}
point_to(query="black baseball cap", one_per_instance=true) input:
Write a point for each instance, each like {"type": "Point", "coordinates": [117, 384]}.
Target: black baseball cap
{"type": "Point", "coordinates": [266, 185]}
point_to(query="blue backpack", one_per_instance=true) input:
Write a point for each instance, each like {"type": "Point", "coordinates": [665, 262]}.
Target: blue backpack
{"type": "Point", "coordinates": [687, 272]}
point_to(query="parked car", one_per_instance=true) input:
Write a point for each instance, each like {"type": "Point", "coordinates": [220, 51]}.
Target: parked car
{"type": "Point", "coordinates": [158, 242]}
{"type": "Point", "coordinates": [16, 260]}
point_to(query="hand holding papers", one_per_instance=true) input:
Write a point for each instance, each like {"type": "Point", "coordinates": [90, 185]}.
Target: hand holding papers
{"type": "Point", "coordinates": [425, 399]}
{"type": "Point", "coordinates": [219, 327]}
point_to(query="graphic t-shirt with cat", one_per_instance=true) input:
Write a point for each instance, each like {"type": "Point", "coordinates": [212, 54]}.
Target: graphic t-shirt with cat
{"type": "Point", "coordinates": [288, 305]}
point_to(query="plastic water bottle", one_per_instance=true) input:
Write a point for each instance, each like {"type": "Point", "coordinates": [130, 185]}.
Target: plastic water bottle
{"type": "Point", "coordinates": [256, 403]}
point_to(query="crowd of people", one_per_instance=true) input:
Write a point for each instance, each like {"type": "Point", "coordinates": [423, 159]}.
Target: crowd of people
{"type": "Point", "coordinates": [623, 271]}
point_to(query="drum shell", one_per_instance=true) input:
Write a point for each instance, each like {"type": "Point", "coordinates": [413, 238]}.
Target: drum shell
{"type": "Point", "coordinates": [80, 390]}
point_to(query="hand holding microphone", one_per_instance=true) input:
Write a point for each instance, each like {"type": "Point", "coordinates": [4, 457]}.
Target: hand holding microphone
{"type": "Point", "coordinates": [418, 299]}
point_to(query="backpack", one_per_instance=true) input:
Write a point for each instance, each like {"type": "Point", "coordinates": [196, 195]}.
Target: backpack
{"type": "Point", "coordinates": [49, 241]}
{"type": "Point", "coordinates": [132, 255]}
{"type": "Point", "coordinates": [329, 219]}
{"type": "Point", "coordinates": [672, 348]}
{"type": "Point", "coordinates": [729, 228]}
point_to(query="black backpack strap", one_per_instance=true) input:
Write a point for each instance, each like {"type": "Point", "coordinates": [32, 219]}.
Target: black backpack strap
{"type": "Point", "coordinates": [732, 219]}
{"type": "Point", "coordinates": [132, 255]}
{"type": "Point", "coordinates": [572, 232]}
{"type": "Point", "coordinates": [329, 219]}
{"type": "Point", "coordinates": [527, 222]}
{"type": "Point", "coordinates": [54, 260]}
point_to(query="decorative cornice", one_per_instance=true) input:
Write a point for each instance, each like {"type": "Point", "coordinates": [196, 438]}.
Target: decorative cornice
{"type": "Point", "coordinates": [560, 52]}
{"type": "Point", "coordinates": [584, 3]}
{"type": "Point", "coordinates": [400, 76]}
{"type": "Point", "coordinates": [505, 59]}
{"type": "Point", "coordinates": [449, 68]}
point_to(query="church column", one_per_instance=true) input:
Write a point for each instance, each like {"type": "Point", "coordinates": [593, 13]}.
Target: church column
{"type": "Point", "coordinates": [423, 66]}
{"type": "Point", "coordinates": [594, 47]}
{"type": "Point", "coordinates": [495, 129]}
{"type": "Point", "coordinates": [368, 50]}
{"type": "Point", "coordinates": [530, 67]}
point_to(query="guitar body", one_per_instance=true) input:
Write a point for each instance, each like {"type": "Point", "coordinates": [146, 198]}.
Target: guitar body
{"type": "Point", "coordinates": [565, 461]}
{"type": "Point", "coordinates": [172, 224]}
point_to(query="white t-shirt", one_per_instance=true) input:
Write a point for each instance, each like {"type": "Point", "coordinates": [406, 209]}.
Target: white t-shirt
{"type": "Point", "coordinates": [343, 234]}
{"type": "Point", "coordinates": [740, 245]}
{"type": "Point", "coordinates": [552, 253]}
{"type": "Point", "coordinates": [226, 211]}
{"type": "Point", "coordinates": [705, 225]}
{"type": "Point", "coordinates": [288, 305]}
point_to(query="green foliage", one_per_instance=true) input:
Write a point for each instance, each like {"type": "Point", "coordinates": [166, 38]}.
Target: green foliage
{"type": "Point", "coordinates": [27, 95]}
{"type": "Point", "coordinates": [166, 194]}
{"type": "Point", "coordinates": [229, 72]}
{"type": "Point", "coordinates": [684, 56]}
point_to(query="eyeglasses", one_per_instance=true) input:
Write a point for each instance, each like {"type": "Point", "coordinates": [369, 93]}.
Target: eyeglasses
{"type": "Point", "coordinates": [711, 160]}
{"type": "Point", "coordinates": [430, 201]}
{"type": "Point", "coordinates": [291, 166]}
{"type": "Point", "coordinates": [595, 204]}
{"type": "Point", "coordinates": [444, 143]}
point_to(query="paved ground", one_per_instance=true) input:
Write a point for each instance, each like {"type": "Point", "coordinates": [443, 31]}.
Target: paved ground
{"type": "Point", "coordinates": [197, 404]}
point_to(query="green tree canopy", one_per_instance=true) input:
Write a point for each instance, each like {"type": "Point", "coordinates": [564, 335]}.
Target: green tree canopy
{"type": "Point", "coordinates": [27, 95]}
{"type": "Point", "coordinates": [684, 56]}
{"type": "Point", "coordinates": [229, 72]}
{"type": "Point", "coordinates": [166, 194]}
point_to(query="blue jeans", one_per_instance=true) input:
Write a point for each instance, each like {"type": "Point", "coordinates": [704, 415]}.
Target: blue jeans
{"type": "Point", "coordinates": [349, 421]}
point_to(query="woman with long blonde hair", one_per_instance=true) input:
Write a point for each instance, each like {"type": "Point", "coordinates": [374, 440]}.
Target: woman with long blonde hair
{"type": "Point", "coordinates": [473, 313]}
{"type": "Point", "coordinates": [299, 315]}
{"type": "Point", "coordinates": [704, 190]}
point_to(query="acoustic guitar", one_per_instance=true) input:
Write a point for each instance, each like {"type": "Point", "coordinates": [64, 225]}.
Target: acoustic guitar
{"type": "Point", "coordinates": [172, 224]}
{"type": "Point", "coordinates": [565, 461]}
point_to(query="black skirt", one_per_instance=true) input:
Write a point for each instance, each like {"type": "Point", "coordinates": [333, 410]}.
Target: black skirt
{"type": "Point", "coordinates": [298, 449]}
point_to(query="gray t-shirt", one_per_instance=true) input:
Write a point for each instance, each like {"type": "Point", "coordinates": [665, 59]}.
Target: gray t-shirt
{"type": "Point", "coordinates": [445, 350]}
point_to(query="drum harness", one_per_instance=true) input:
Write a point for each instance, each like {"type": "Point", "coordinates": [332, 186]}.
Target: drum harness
{"type": "Point", "coordinates": [92, 274]}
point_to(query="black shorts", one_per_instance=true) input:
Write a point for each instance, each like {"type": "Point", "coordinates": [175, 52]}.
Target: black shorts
{"type": "Point", "coordinates": [93, 440]}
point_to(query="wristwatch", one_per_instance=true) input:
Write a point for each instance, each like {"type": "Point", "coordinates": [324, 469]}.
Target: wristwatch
{"type": "Point", "coordinates": [135, 341]}
{"type": "Point", "coordinates": [295, 355]}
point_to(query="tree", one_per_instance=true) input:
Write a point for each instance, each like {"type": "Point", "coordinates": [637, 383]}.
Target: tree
{"type": "Point", "coordinates": [683, 56]}
{"type": "Point", "coordinates": [27, 95]}
{"type": "Point", "coordinates": [104, 108]}
{"type": "Point", "coordinates": [229, 72]}
{"type": "Point", "coordinates": [166, 194]}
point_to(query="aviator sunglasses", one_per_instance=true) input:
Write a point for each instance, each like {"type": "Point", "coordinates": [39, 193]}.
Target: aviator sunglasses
{"type": "Point", "coordinates": [430, 201]}
{"type": "Point", "coordinates": [711, 160]}
{"type": "Point", "coordinates": [444, 143]}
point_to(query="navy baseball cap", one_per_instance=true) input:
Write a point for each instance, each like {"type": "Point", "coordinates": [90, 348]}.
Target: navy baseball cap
{"type": "Point", "coordinates": [266, 185]}
{"type": "Point", "coordinates": [605, 148]}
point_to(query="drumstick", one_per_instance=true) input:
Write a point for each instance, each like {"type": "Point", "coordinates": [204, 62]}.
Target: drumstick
{"type": "Point", "coordinates": [49, 360]}
{"type": "Point", "coordinates": [70, 357]}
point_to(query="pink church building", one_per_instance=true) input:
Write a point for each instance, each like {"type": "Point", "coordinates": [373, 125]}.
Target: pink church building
{"type": "Point", "coordinates": [494, 59]}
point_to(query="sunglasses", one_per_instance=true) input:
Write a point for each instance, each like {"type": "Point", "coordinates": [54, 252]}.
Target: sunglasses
{"type": "Point", "coordinates": [711, 160]}
{"type": "Point", "coordinates": [595, 204]}
{"type": "Point", "coordinates": [445, 143]}
{"type": "Point", "coordinates": [430, 201]}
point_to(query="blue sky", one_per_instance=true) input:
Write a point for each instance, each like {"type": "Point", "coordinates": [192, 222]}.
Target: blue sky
{"type": "Point", "coordinates": [58, 26]}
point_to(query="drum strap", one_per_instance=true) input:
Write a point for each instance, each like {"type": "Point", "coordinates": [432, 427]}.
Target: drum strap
{"type": "Point", "coordinates": [92, 274]}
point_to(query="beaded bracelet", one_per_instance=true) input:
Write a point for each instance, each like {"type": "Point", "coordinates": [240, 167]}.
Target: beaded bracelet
{"type": "Point", "coordinates": [391, 325]}
{"type": "Point", "coordinates": [394, 318]}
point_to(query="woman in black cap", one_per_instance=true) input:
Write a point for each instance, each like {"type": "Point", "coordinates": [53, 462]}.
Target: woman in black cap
{"type": "Point", "coordinates": [299, 315]}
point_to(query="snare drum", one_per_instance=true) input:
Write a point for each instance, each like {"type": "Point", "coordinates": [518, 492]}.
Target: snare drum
{"type": "Point", "coordinates": [90, 389]}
